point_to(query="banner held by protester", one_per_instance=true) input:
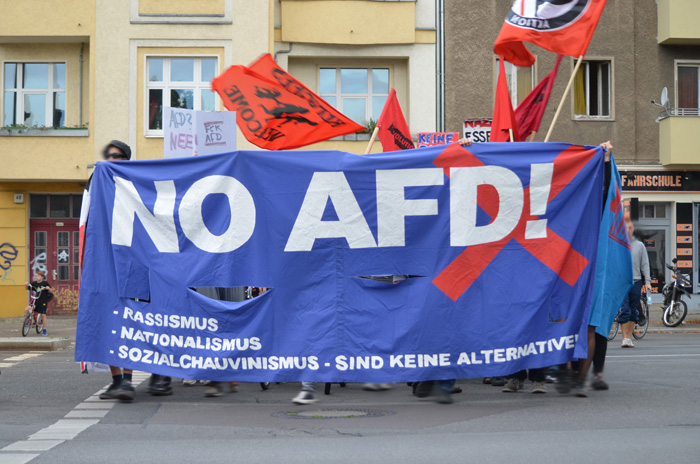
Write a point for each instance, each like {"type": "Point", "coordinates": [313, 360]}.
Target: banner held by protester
{"type": "Point", "coordinates": [496, 222]}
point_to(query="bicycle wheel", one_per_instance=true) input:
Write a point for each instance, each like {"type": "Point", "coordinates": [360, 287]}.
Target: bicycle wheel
{"type": "Point", "coordinates": [39, 327]}
{"type": "Point", "coordinates": [675, 314]}
{"type": "Point", "coordinates": [27, 326]}
{"type": "Point", "coordinates": [613, 330]}
{"type": "Point", "coordinates": [641, 330]}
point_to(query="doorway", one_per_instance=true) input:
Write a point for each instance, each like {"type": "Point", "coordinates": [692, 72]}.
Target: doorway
{"type": "Point", "coordinates": [654, 230]}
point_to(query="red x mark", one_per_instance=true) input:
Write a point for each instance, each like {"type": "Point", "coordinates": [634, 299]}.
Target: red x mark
{"type": "Point", "coordinates": [553, 251]}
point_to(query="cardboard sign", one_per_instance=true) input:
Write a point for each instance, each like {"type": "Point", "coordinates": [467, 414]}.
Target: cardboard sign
{"type": "Point", "coordinates": [479, 130]}
{"type": "Point", "coordinates": [429, 139]}
{"type": "Point", "coordinates": [190, 132]}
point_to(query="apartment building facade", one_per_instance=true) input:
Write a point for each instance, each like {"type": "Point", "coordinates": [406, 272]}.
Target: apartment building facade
{"type": "Point", "coordinates": [79, 73]}
{"type": "Point", "coordinates": [639, 48]}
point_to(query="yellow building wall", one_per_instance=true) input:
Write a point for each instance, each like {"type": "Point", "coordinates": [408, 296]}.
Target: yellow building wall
{"type": "Point", "coordinates": [14, 235]}
{"type": "Point", "coordinates": [182, 7]}
{"type": "Point", "coordinates": [152, 147]}
{"type": "Point", "coordinates": [677, 22]}
{"type": "Point", "coordinates": [679, 139]}
{"type": "Point", "coordinates": [348, 22]}
{"type": "Point", "coordinates": [37, 18]}
{"type": "Point", "coordinates": [56, 158]}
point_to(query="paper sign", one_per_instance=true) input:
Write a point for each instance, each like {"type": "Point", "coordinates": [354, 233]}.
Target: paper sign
{"type": "Point", "coordinates": [190, 132]}
{"type": "Point", "coordinates": [479, 130]}
{"type": "Point", "coordinates": [429, 139]}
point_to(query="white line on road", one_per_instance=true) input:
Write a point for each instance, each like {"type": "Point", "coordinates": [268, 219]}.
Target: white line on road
{"type": "Point", "coordinates": [82, 417]}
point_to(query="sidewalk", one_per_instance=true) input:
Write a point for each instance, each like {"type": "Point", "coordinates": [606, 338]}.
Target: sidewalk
{"type": "Point", "coordinates": [61, 333]}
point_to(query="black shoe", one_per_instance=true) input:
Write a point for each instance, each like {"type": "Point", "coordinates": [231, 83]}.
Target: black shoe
{"type": "Point", "coordinates": [581, 389]}
{"type": "Point", "coordinates": [563, 380]}
{"type": "Point", "coordinates": [126, 391]}
{"type": "Point", "coordinates": [160, 385]}
{"type": "Point", "coordinates": [424, 389]}
{"type": "Point", "coordinates": [455, 389]}
{"type": "Point", "coordinates": [442, 397]}
{"type": "Point", "coordinates": [498, 381]}
{"type": "Point", "coordinates": [110, 393]}
{"type": "Point", "coordinates": [598, 383]}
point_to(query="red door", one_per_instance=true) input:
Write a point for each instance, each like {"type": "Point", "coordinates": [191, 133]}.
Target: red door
{"type": "Point", "coordinates": [54, 249]}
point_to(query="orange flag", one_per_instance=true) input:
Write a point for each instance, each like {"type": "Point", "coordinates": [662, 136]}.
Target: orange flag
{"type": "Point", "coordinates": [275, 111]}
{"type": "Point", "coordinates": [503, 114]}
{"type": "Point", "coordinates": [393, 130]}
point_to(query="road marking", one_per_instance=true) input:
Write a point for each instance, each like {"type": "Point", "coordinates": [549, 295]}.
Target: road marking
{"type": "Point", "coordinates": [82, 417]}
{"type": "Point", "coordinates": [19, 358]}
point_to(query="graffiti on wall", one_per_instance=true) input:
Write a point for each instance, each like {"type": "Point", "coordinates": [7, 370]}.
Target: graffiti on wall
{"type": "Point", "coordinates": [67, 299]}
{"type": "Point", "coordinates": [39, 263]}
{"type": "Point", "coordinates": [8, 253]}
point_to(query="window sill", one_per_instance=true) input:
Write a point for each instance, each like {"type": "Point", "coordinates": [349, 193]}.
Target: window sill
{"type": "Point", "coordinates": [44, 132]}
{"type": "Point", "coordinates": [593, 118]}
{"type": "Point", "coordinates": [352, 138]}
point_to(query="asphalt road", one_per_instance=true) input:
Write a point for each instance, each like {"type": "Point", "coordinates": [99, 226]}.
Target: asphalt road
{"type": "Point", "coordinates": [650, 414]}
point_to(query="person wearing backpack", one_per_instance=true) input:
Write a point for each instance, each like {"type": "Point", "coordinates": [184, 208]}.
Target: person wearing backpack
{"type": "Point", "coordinates": [40, 284]}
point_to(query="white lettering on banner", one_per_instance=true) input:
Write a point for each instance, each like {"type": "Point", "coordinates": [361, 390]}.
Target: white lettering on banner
{"type": "Point", "coordinates": [464, 184]}
{"type": "Point", "coordinates": [160, 225]}
{"type": "Point", "coordinates": [393, 207]}
{"type": "Point", "coordinates": [241, 207]}
{"type": "Point", "coordinates": [351, 224]}
{"type": "Point", "coordinates": [540, 185]}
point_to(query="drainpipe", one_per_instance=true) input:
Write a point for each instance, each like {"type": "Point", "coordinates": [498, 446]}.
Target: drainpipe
{"type": "Point", "coordinates": [82, 47]}
{"type": "Point", "coordinates": [440, 65]}
{"type": "Point", "coordinates": [284, 52]}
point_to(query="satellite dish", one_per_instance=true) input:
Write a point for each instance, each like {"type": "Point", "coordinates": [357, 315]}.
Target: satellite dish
{"type": "Point", "coordinates": [664, 97]}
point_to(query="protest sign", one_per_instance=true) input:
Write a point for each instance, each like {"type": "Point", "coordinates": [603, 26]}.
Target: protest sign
{"type": "Point", "coordinates": [479, 130]}
{"type": "Point", "coordinates": [434, 263]}
{"type": "Point", "coordinates": [429, 139]}
{"type": "Point", "coordinates": [190, 132]}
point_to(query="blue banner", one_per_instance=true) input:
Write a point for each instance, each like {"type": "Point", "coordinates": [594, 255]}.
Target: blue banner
{"type": "Point", "coordinates": [434, 263]}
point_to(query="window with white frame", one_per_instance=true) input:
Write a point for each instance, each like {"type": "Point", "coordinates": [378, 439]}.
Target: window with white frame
{"type": "Point", "coordinates": [358, 93]}
{"type": "Point", "coordinates": [688, 82]}
{"type": "Point", "coordinates": [593, 90]}
{"type": "Point", "coordinates": [521, 80]}
{"type": "Point", "coordinates": [34, 94]}
{"type": "Point", "coordinates": [178, 82]}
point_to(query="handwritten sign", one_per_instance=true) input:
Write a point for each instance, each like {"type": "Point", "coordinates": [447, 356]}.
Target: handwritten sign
{"type": "Point", "coordinates": [429, 139]}
{"type": "Point", "coordinates": [479, 130]}
{"type": "Point", "coordinates": [190, 132]}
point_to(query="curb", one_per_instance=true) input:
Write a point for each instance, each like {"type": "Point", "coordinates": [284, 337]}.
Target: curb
{"type": "Point", "coordinates": [33, 344]}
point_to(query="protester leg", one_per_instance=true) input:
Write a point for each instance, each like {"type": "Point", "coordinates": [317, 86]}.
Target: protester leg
{"type": "Point", "coordinates": [601, 347]}
{"type": "Point", "coordinates": [443, 392]}
{"type": "Point", "coordinates": [307, 395]}
{"type": "Point", "coordinates": [515, 382]}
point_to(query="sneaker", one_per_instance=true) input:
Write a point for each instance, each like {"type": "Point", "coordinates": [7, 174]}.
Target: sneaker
{"type": "Point", "coordinates": [538, 387]}
{"type": "Point", "coordinates": [627, 343]}
{"type": "Point", "coordinates": [214, 390]}
{"type": "Point", "coordinates": [126, 391]}
{"type": "Point", "coordinates": [192, 383]}
{"type": "Point", "coordinates": [305, 397]}
{"type": "Point", "coordinates": [511, 386]}
{"type": "Point", "coordinates": [580, 389]}
{"type": "Point", "coordinates": [43, 333]}
{"type": "Point", "coordinates": [597, 383]}
{"type": "Point", "coordinates": [424, 389]}
{"type": "Point", "coordinates": [442, 397]}
{"type": "Point", "coordinates": [233, 386]}
{"type": "Point", "coordinates": [624, 343]}
{"type": "Point", "coordinates": [455, 390]}
{"type": "Point", "coordinates": [110, 393]}
{"type": "Point", "coordinates": [160, 385]}
{"type": "Point", "coordinates": [498, 381]}
{"type": "Point", "coordinates": [562, 381]}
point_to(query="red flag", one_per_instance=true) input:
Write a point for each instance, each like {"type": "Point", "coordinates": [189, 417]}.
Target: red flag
{"type": "Point", "coordinates": [560, 26]}
{"type": "Point", "coordinates": [503, 115]}
{"type": "Point", "coordinates": [276, 111]}
{"type": "Point", "coordinates": [528, 114]}
{"type": "Point", "coordinates": [393, 130]}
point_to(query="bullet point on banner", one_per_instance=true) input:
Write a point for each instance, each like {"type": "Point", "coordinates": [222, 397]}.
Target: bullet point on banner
{"type": "Point", "coordinates": [114, 331]}
{"type": "Point", "coordinates": [328, 364]}
{"type": "Point", "coordinates": [116, 312]}
{"type": "Point", "coordinates": [111, 351]}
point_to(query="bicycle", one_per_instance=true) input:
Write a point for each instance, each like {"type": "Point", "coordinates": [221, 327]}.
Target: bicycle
{"type": "Point", "coordinates": [639, 330]}
{"type": "Point", "coordinates": [31, 319]}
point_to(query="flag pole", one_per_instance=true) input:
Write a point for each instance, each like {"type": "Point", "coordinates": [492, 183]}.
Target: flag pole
{"type": "Point", "coordinates": [532, 137]}
{"type": "Point", "coordinates": [510, 131]}
{"type": "Point", "coordinates": [372, 139]}
{"type": "Point", "coordinates": [561, 103]}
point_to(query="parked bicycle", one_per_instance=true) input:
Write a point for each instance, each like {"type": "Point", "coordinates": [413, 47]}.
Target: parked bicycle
{"type": "Point", "coordinates": [31, 319]}
{"type": "Point", "coordinates": [675, 309]}
{"type": "Point", "coordinates": [640, 330]}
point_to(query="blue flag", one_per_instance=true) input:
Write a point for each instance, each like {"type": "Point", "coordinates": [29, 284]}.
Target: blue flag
{"type": "Point", "coordinates": [441, 262]}
{"type": "Point", "coordinates": [613, 274]}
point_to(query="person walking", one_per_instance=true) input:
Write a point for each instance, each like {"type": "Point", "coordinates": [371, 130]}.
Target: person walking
{"type": "Point", "coordinates": [629, 311]}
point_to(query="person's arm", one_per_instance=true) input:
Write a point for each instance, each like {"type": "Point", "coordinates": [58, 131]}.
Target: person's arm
{"type": "Point", "coordinates": [465, 141]}
{"type": "Point", "coordinates": [646, 274]}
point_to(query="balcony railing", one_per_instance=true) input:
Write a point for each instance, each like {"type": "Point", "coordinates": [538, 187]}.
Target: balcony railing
{"type": "Point", "coordinates": [679, 112]}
